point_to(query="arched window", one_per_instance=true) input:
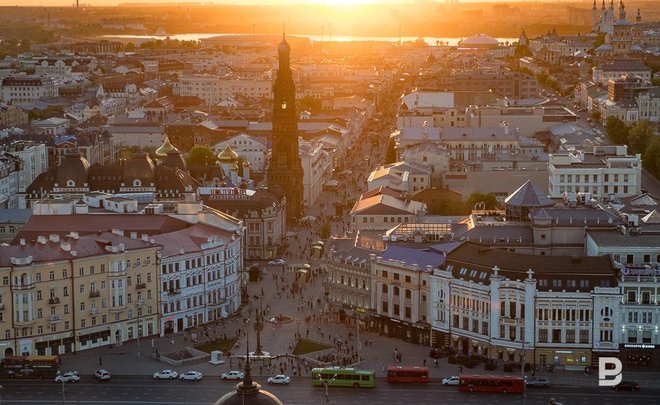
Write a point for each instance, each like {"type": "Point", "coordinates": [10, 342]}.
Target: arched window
{"type": "Point", "coordinates": [70, 183]}
{"type": "Point", "coordinates": [137, 183]}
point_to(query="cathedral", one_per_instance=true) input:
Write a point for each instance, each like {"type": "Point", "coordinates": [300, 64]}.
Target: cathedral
{"type": "Point", "coordinates": [607, 20]}
{"type": "Point", "coordinates": [285, 173]}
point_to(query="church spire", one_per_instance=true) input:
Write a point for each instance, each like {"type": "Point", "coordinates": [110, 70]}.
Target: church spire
{"type": "Point", "coordinates": [622, 10]}
{"type": "Point", "coordinates": [639, 16]}
{"type": "Point", "coordinates": [603, 6]}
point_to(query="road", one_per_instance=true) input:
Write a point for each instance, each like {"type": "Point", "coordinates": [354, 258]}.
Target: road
{"type": "Point", "coordinates": [142, 390]}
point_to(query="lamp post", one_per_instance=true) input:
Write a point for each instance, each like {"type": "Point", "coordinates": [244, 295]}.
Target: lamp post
{"type": "Point", "coordinates": [138, 306]}
{"type": "Point", "coordinates": [522, 372]}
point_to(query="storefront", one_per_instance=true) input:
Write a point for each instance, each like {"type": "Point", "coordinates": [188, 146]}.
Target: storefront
{"type": "Point", "coordinates": [568, 359]}
{"type": "Point", "coordinates": [419, 333]}
{"type": "Point", "coordinates": [642, 356]}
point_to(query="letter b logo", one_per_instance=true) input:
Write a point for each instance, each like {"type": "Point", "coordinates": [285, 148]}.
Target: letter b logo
{"type": "Point", "coordinates": [604, 372]}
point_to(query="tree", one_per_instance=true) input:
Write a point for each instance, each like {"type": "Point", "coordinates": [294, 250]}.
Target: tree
{"type": "Point", "coordinates": [616, 130]}
{"type": "Point", "coordinates": [311, 104]}
{"type": "Point", "coordinates": [639, 136]}
{"type": "Point", "coordinates": [324, 232]}
{"type": "Point", "coordinates": [600, 40]}
{"type": "Point", "coordinates": [488, 199]}
{"type": "Point", "coordinates": [201, 155]}
{"type": "Point", "coordinates": [595, 115]}
{"type": "Point", "coordinates": [390, 154]}
{"type": "Point", "coordinates": [651, 157]}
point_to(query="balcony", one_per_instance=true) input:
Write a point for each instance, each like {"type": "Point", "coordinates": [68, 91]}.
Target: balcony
{"type": "Point", "coordinates": [54, 318]}
{"type": "Point", "coordinates": [94, 311]}
{"type": "Point", "coordinates": [94, 294]}
{"type": "Point", "coordinates": [22, 287]}
{"type": "Point", "coordinates": [174, 291]}
{"type": "Point", "coordinates": [117, 308]}
{"type": "Point", "coordinates": [24, 323]}
{"type": "Point", "coordinates": [54, 301]}
{"type": "Point", "coordinates": [141, 286]}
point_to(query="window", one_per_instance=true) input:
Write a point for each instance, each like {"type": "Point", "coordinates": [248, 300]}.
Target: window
{"type": "Point", "coordinates": [632, 296]}
{"type": "Point", "coordinates": [556, 336]}
{"type": "Point", "coordinates": [408, 312]}
{"type": "Point", "coordinates": [570, 336]}
{"type": "Point", "coordinates": [408, 294]}
{"type": "Point", "coordinates": [543, 336]}
{"type": "Point", "coordinates": [584, 336]}
{"type": "Point", "coordinates": [385, 307]}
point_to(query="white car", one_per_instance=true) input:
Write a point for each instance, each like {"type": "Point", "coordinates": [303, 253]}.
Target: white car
{"type": "Point", "coordinates": [232, 375]}
{"type": "Point", "coordinates": [102, 375]}
{"type": "Point", "coordinates": [279, 379]}
{"type": "Point", "coordinates": [166, 375]}
{"type": "Point", "coordinates": [453, 380]}
{"type": "Point", "coordinates": [71, 376]}
{"type": "Point", "coordinates": [276, 262]}
{"type": "Point", "coordinates": [191, 376]}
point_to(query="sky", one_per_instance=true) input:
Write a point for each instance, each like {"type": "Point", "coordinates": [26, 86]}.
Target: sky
{"type": "Point", "coordinates": [60, 3]}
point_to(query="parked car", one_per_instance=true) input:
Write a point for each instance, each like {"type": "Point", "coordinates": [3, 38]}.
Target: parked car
{"type": "Point", "coordinates": [71, 376]}
{"type": "Point", "coordinates": [626, 386]}
{"type": "Point", "coordinates": [191, 376]}
{"type": "Point", "coordinates": [453, 380]}
{"type": "Point", "coordinates": [166, 375]}
{"type": "Point", "coordinates": [102, 375]}
{"type": "Point", "coordinates": [537, 382]}
{"type": "Point", "coordinates": [232, 375]}
{"type": "Point", "coordinates": [276, 262]}
{"type": "Point", "coordinates": [279, 379]}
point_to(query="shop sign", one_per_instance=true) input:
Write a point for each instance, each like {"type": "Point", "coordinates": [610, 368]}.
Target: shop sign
{"type": "Point", "coordinates": [638, 346]}
{"type": "Point", "coordinates": [640, 271]}
{"type": "Point", "coordinates": [564, 351]}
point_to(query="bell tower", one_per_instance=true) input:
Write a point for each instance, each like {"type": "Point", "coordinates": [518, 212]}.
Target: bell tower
{"type": "Point", "coordinates": [285, 169]}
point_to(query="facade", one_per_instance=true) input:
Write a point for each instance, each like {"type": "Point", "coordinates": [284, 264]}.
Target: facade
{"type": "Point", "coordinates": [249, 148]}
{"type": "Point", "coordinates": [10, 172]}
{"type": "Point", "coordinates": [199, 277]}
{"type": "Point", "coordinates": [607, 172]}
{"type": "Point", "coordinates": [34, 157]}
{"type": "Point", "coordinates": [12, 116]}
{"type": "Point", "coordinates": [550, 311]}
{"type": "Point", "coordinates": [621, 68]}
{"type": "Point", "coordinates": [317, 169]}
{"type": "Point", "coordinates": [349, 275]}
{"type": "Point", "coordinates": [27, 89]}
{"type": "Point", "coordinates": [285, 170]}
{"type": "Point", "coordinates": [203, 86]}
{"type": "Point", "coordinates": [78, 292]}
{"type": "Point", "coordinates": [377, 210]}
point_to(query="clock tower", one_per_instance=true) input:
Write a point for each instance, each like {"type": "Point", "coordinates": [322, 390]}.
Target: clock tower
{"type": "Point", "coordinates": [285, 170]}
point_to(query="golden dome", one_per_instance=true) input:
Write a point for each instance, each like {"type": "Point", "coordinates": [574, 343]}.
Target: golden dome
{"type": "Point", "coordinates": [165, 147]}
{"type": "Point", "coordinates": [228, 155]}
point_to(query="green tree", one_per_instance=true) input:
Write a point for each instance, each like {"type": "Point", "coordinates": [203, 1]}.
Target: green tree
{"type": "Point", "coordinates": [488, 199]}
{"type": "Point", "coordinates": [600, 40]}
{"type": "Point", "coordinates": [639, 135]}
{"type": "Point", "coordinates": [651, 157]}
{"type": "Point", "coordinates": [616, 130]}
{"type": "Point", "coordinates": [201, 155]}
{"type": "Point", "coordinates": [390, 153]}
{"type": "Point", "coordinates": [310, 103]}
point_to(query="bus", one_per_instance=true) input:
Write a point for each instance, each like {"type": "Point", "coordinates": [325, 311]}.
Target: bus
{"type": "Point", "coordinates": [407, 374]}
{"type": "Point", "coordinates": [343, 377]}
{"type": "Point", "coordinates": [491, 383]}
{"type": "Point", "coordinates": [29, 367]}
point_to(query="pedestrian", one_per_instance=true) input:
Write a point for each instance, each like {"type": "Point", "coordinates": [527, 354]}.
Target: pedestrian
{"type": "Point", "coordinates": [460, 369]}
{"type": "Point", "coordinates": [100, 361]}
{"type": "Point", "coordinates": [424, 362]}
{"type": "Point", "coordinates": [435, 363]}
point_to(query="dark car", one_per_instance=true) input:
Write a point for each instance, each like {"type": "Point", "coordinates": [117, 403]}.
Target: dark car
{"type": "Point", "coordinates": [626, 386]}
{"type": "Point", "coordinates": [537, 382]}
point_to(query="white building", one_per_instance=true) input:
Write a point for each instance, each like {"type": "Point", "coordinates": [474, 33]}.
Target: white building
{"type": "Point", "coordinates": [206, 87]}
{"type": "Point", "coordinates": [199, 275]}
{"type": "Point", "coordinates": [382, 208]}
{"type": "Point", "coordinates": [606, 172]}
{"type": "Point", "coordinates": [35, 160]}
{"type": "Point", "coordinates": [249, 148]}
{"type": "Point", "coordinates": [213, 89]}
{"type": "Point", "coordinates": [554, 310]}
{"type": "Point", "coordinates": [27, 89]}
{"type": "Point", "coordinates": [10, 170]}
{"type": "Point", "coordinates": [615, 70]}
{"type": "Point", "coordinates": [408, 178]}
{"type": "Point", "coordinates": [317, 169]}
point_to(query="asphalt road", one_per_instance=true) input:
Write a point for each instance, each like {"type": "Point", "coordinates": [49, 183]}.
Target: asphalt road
{"type": "Point", "coordinates": [140, 390]}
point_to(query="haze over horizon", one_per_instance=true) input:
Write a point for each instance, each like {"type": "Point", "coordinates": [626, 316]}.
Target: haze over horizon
{"type": "Point", "coordinates": [343, 3]}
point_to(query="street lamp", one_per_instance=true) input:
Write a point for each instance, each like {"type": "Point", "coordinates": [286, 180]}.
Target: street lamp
{"type": "Point", "coordinates": [138, 307]}
{"type": "Point", "coordinates": [522, 372]}
{"type": "Point", "coordinates": [326, 384]}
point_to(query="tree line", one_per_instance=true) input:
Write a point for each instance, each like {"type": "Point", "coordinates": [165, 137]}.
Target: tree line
{"type": "Point", "coordinates": [640, 138]}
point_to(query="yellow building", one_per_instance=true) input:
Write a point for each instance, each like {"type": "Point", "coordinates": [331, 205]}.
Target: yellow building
{"type": "Point", "coordinates": [60, 295]}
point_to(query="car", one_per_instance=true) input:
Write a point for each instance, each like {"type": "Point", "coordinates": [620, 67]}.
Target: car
{"type": "Point", "coordinates": [626, 386]}
{"type": "Point", "coordinates": [537, 382]}
{"type": "Point", "coordinates": [276, 262]}
{"type": "Point", "coordinates": [453, 380]}
{"type": "Point", "coordinates": [191, 376]}
{"type": "Point", "coordinates": [166, 375]}
{"type": "Point", "coordinates": [102, 375]}
{"type": "Point", "coordinates": [71, 376]}
{"type": "Point", "coordinates": [232, 375]}
{"type": "Point", "coordinates": [279, 379]}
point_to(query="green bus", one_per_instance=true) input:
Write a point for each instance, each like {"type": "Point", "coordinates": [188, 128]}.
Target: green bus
{"type": "Point", "coordinates": [343, 377]}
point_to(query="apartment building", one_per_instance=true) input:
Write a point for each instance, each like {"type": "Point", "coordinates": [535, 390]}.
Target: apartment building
{"type": "Point", "coordinates": [621, 68]}
{"type": "Point", "coordinates": [65, 294]}
{"type": "Point", "coordinates": [10, 171]}
{"type": "Point", "coordinates": [607, 172]}
{"type": "Point", "coordinates": [213, 89]}
{"type": "Point", "coordinates": [34, 157]}
{"type": "Point", "coordinates": [27, 89]}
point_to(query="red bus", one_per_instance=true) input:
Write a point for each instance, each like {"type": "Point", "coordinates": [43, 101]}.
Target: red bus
{"type": "Point", "coordinates": [407, 374]}
{"type": "Point", "coordinates": [491, 383]}
{"type": "Point", "coordinates": [29, 367]}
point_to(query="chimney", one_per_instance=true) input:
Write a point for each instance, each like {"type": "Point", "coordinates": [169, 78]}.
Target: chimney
{"type": "Point", "coordinates": [54, 237]}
